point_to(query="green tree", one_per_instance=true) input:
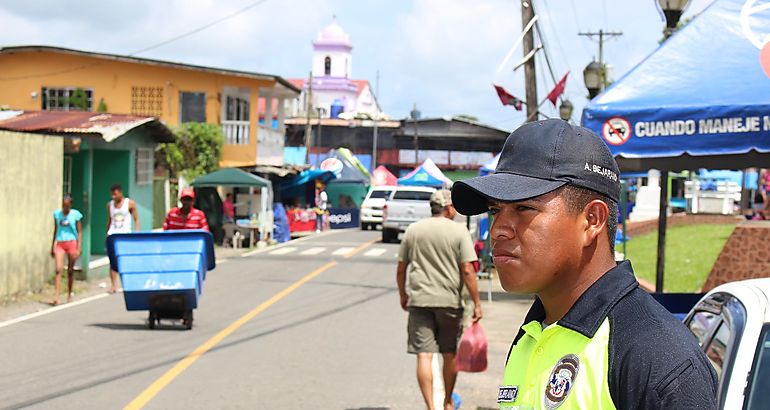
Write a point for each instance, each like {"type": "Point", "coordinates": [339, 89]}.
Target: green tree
{"type": "Point", "coordinates": [78, 100]}
{"type": "Point", "coordinates": [196, 152]}
{"type": "Point", "coordinates": [102, 107]}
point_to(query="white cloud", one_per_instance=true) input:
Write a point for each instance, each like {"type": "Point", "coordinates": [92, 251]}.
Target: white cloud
{"type": "Point", "coordinates": [442, 54]}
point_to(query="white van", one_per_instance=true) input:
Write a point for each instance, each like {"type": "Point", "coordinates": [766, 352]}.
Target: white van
{"type": "Point", "coordinates": [371, 208]}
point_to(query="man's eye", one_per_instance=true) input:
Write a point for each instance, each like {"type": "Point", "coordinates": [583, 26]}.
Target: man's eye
{"type": "Point", "coordinates": [493, 211]}
{"type": "Point", "coordinates": [522, 208]}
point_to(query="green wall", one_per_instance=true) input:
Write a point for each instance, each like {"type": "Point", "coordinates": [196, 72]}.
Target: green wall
{"type": "Point", "coordinates": [113, 162]}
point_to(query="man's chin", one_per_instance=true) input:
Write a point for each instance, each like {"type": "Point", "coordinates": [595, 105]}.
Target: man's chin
{"type": "Point", "coordinates": [516, 287]}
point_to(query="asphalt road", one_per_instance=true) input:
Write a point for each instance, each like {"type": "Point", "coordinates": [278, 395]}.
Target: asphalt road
{"type": "Point", "coordinates": [337, 341]}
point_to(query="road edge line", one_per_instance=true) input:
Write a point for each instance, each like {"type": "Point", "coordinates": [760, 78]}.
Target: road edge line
{"type": "Point", "coordinates": [161, 382]}
{"type": "Point", "coordinates": [54, 309]}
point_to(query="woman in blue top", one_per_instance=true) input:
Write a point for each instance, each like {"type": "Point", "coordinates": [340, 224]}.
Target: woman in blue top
{"type": "Point", "coordinates": [67, 240]}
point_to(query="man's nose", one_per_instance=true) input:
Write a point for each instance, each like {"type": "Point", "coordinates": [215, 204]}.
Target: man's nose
{"type": "Point", "coordinates": [502, 227]}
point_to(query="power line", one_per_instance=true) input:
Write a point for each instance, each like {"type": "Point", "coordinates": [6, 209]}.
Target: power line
{"type": "Point", "coordinates": [555, 33]}
{"type": "Point", "coordinates": [201, 28]}
{"type": "Point", "coordinates": [151, 47]}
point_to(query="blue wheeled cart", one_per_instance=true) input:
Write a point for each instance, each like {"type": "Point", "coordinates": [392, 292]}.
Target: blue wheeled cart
{"type": "Point", "coordinates": [162, 272]}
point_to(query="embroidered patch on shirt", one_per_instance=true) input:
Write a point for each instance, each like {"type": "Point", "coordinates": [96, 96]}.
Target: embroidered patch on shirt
{"type": "Point", "coordinates": [507, 394]}
{"type": "Point", "coordinates": [561, 381]}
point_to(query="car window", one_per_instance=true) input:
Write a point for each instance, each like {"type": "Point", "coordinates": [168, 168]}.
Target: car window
{"type": "Point", "coordinates": [701, 325]}
{"type": "Point", "coordinates": [718, 348]}
{"type": "Point", "coordinates": [760, 374]}
{"type": "Point", "coordinates": [412, 195]}
{"type": "Point", "coordinates": [380, 194]}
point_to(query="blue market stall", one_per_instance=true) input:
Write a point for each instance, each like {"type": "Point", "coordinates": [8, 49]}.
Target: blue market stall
{"type": "Point", "coordinates": [489, 167]}
{"type": "Point", "coordinates": [427, 174]}
{"type": "Point", "coordinates": [347, 191]}
{"type": "Point", "coordinates": [701, 100]}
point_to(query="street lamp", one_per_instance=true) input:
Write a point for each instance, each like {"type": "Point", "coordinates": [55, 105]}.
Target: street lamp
{"type": "Point", "coordinates": [672, 9]}
{"type": "Point", "coordinates": [415, 115]}
{"type": "Point", "coordinates": [593, 76]}
{"type": "Point", "coordinates": [565, 110]}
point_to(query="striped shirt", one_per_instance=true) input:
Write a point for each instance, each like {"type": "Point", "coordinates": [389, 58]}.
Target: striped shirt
{"type": "Point", "coordinates": [195, 219]}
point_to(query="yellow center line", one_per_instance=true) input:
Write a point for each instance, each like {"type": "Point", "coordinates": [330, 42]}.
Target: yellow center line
{"type": "Point", "coordinates": [150, 392]}
{"type": "Point", "coordinates": [360, 248]}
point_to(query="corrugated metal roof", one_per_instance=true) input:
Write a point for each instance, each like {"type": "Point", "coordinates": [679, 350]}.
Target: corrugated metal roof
{"type": "Point", "coordinates": [108, 126]}
{"type": "Point", "coordinates": [142, 60]}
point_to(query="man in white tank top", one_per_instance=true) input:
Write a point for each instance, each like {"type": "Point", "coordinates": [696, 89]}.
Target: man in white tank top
{"type": "Point", "coordinates": [120, 212]}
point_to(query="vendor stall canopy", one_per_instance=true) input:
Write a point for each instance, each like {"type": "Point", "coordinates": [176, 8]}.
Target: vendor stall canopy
{"type": "Point", "coordinates": [232, 177]}
{"type": "Point", "coordinates": [701, 100]}
{"type": "Point", "coordinates": [427, 174]}
{"type": "Point", "coordinates": [346, 167]}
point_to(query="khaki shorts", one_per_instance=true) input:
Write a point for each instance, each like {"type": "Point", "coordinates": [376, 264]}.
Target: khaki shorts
{"type": "Point", "coordinates": [434, 330]}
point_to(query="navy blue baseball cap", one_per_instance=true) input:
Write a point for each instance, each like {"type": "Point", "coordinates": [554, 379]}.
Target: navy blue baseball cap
{"type": "Point", "coordinates": [540, 157]}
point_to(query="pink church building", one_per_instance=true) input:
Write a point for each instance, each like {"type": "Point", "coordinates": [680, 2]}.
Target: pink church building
{"type": "Point", "coordinates": [333, 88]}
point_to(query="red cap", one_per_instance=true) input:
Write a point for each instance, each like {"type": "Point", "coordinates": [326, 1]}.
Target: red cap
{"type": "Point", "coordinates": [187, 192]}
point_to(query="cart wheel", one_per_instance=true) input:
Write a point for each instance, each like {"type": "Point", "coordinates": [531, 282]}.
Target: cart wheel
{"type": "Point", "coordinates": [187, 320]}
{"type": "Point", "coordinates": [151, 320]}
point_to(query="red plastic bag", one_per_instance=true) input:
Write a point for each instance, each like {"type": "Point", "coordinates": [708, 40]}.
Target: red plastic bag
{"type": "Point", "coordinates": [472, 352]}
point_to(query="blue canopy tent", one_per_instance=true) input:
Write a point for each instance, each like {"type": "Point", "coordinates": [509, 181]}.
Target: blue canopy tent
{"type": "Point", "coordinates": [296, 186]}
{"type": "Point", "coordinates": [421, 178]}
{"type": "Point", "coordinates": [490, 166]}
{"type": "Point", "coordinates": [701, 100]}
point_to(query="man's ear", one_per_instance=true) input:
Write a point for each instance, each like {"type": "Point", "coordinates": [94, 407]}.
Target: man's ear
{"type": "Point", "coordinates": [596, 214]}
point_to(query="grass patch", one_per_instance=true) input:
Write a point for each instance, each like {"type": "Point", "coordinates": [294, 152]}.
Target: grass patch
{"type": "Point", "coordinates": [691, 251]}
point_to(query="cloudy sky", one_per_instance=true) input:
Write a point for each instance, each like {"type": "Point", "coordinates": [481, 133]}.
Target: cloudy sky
{"type": "Point", "coordinates": [442, 55]}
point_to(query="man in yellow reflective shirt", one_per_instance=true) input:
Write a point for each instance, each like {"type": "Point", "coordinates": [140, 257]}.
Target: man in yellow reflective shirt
{"type": "Point", "coordinates": [592, 339]}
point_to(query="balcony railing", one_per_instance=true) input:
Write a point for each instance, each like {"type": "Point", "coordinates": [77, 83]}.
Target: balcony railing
{"type": "Point", "coordinates": [236, 132]}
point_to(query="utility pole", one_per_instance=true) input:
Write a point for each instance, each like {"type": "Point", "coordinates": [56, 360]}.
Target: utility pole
{"type": "Point", "coordinates": [601, 34]}
{"type": "Point", "coordinates": [530, 81]}
{"type": "Point", "coordinates": [376, 120]}
{"type": "Point", "coordinates": [308, 107]}
{"type": "Point", "coordinates": [321, 112]}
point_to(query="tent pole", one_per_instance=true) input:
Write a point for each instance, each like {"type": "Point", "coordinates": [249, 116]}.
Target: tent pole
{"type": "Point", "coordinates": [662, 215]}
{"type": "Point", "coordinates": [624, 212]}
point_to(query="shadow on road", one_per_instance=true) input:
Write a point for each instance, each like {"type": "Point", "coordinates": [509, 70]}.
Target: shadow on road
{"type": "Point", "coordinates": [105, 380]}
{"type": "Point", "coordinates": [137, 326]}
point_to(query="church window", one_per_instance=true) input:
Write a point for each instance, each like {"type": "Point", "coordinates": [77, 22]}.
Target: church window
{"type": "Point", "coordinates": [327, 65]}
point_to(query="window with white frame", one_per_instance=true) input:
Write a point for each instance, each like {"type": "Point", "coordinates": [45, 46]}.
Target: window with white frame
{"type": "Point", "coordinates": [144, 166]}
{"type": "Point", "coordinates": [67, 99]}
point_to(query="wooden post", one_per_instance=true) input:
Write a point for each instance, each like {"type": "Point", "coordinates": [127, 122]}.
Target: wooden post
{"type": "Point", "coordinates": [530, 81]}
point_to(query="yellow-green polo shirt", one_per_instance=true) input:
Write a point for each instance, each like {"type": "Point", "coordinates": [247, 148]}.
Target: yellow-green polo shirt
{"type": "Point", "coordinates": [616, 348]}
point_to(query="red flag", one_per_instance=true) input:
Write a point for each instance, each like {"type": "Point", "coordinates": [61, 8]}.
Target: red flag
{"type": "Point", "coordinates": [558, 90]}
{"type": "Point", "coordinates": [507, 99]}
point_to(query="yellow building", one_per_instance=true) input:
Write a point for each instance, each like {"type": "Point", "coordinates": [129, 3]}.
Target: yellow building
{"type": "Point", "coordinates": [53, 78]}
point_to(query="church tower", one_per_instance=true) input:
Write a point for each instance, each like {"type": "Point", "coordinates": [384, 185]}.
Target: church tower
{"type": "Point", "coordinates": [332, 53]}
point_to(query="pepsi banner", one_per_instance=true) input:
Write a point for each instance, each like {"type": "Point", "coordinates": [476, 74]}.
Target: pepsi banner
{"type": "Point", "coordinates": [340, 218]}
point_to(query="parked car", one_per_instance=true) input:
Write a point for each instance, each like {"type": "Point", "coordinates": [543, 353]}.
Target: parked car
{"type": "Point", "coordinates": [371, 208]}
{"type": "Point", "coordinates": [732, 325]}
{"type": "Point", "coordinates": [406, 205]}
